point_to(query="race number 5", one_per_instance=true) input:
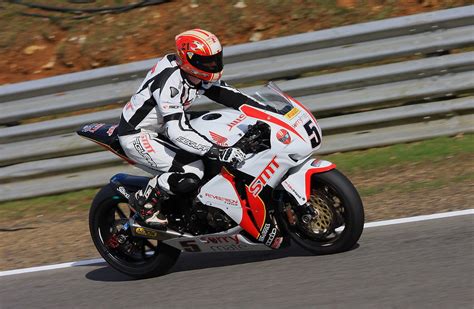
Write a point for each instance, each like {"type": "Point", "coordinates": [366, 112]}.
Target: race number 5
{"type": "Point", "coordinates": [313, 133]}
{"type": "Point", "coordinates": [190, 246]}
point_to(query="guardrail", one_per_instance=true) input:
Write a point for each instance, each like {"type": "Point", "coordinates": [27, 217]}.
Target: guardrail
{"type": "Point", "coordinates": [396, 80]}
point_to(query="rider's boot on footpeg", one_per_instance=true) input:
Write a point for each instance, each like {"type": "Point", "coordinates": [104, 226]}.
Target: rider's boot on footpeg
{"type": "Point", "coordinates": [147, 204]}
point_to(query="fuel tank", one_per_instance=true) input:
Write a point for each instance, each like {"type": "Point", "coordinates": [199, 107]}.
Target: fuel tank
{"type": "Point", "coordinates": [224, 127]}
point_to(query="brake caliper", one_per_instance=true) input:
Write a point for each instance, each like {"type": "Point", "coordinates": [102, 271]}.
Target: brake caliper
{"type": "Point", "coordinates": [112, 242]}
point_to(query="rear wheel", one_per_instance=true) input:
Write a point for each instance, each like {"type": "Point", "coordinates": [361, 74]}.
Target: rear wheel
{"type": "Point", "coordinates": [338, 218]}
{"type": "Point", "coordinates": [133, 256]}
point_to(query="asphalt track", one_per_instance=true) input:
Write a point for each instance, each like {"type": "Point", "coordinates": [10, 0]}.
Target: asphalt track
{"type": "Point", "coordinates": [427, 264]}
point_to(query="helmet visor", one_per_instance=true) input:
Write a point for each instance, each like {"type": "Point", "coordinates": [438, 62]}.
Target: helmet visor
{"type": "Point", "coordinates": [210, 64]}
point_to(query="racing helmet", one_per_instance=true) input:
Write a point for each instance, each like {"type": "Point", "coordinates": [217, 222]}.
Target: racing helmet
{"type": "Point", "coordinates": [200, 54]}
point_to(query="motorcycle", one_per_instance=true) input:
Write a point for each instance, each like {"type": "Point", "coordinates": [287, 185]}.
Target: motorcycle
{"type": "Point", "coordinates": [279, 194]}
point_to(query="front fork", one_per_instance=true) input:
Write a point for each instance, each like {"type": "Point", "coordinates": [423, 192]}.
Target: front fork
{"type": "Point", "coordinates": [306, 213]}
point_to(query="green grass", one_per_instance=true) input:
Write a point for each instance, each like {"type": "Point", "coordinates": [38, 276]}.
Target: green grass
{"type": "Point", "coordinates": [70, 202]}
{"type": "Point", "coordinates": [415, 185]}
{"type": "Point", "coordinates": [432, 151]}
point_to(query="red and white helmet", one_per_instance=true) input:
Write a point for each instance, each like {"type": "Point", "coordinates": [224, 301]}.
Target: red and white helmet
{"type": "Point", "coordinates": [200, 54]}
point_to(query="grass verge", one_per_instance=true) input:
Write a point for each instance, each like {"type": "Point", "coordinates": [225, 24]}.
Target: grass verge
{"type": "Point", "coordinates": [428, 153]}
{"type": "Point", "coordinates": [433, 151]}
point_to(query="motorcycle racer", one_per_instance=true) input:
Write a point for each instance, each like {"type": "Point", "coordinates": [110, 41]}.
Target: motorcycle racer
{"type": "Point", "coordinates": [154, 130]}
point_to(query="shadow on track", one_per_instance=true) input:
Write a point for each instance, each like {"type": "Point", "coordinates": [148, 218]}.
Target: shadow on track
{"type": "Point", "coordinates": [194, 261]}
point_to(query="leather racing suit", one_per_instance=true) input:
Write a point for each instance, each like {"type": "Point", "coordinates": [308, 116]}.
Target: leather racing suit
{"type": "Point", "coordinates": [155, 132]}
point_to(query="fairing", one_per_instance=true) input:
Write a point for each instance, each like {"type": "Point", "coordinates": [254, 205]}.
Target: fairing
{"type": "Point", "coordinates": [245, 193]}
{"type": "Point", "coordinates": [222, 127]}
{"type": "Point", "coordinates": [298, 180]}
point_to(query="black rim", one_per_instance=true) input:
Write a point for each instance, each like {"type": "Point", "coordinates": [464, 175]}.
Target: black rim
{"type": "Point", "coordinates": [118, 244]}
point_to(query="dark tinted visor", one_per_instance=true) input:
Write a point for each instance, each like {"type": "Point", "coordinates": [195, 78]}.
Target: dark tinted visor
{"type": "Point", "coordinates": [210, 64]}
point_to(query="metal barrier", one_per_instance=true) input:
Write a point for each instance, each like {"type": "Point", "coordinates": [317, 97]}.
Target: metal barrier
{"type": "Point", "coordinates": [409, 78]}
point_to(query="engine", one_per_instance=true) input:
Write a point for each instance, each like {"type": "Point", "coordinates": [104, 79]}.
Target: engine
{"type": "Point", "coordinates": [197, 219]}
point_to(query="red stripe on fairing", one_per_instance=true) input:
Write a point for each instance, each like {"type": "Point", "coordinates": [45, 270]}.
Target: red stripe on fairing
{"type": "Point", "coordinates": [259, 114]}
{"type": "Point", "coordinates": [311, 172]}
{"type": "Point", "coordinates": [246, 223]}
{"type": "Point", "coordinates": [257, 207]}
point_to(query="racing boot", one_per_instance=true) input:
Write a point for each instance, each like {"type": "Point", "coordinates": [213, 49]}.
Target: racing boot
{"type": "Point", "coordinates": [147, 204]}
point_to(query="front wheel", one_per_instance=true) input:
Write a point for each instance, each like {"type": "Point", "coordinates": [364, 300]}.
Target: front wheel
{"type": "Point", "coordinates": [338, 215]}
{"type": "Point", "coordinates": [133, 256]}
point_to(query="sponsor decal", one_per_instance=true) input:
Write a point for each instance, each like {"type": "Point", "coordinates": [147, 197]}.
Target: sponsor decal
{"type": "Point", "coordinates": [261, 180]}
{"type": "Point", "coordinates": [173, 91]}
{"type": "Point", "coordinates": [139, 148]}
{"type": "Point", "coordinates": [283, 136]}
{"type": "Point", "coordinates": [271, 236]}
{"type": "Point", "coordinates": [111, 130]}
{"type": "Point", "coordinates": [146, 232]}
{"type": "Point", "coordinates": [192, 144]}
{"type": "Point", "coordinates": [300, 121]}
{"type": "Point", "coordinates": [234, 239]}
{"type": "Point", "coordinates": [226, 200]}
{"type": "Point", "coordinates": [224, 248]}
{"type": "Point", "coordinates": [122, 191]}
{"type": "Point", "coordinates": [219, 139]}
{"type": "Point", "coordinates": [277, 243]}
{"type": "Point", "coordinates": [293, 190]}
{"type": "Point", "coordinates": [145, 139]}
{"type": "Point", "coordinates": [170, 106]}
{"type": "Point", "coordinates": [236, 121]}
{"type": "Point", "coordinates": [264, 232]}
{"type": "Point", "coordinates": [92, 127]}
{"type": "Point", "coordinates": [291, 114]}
{"type": "Point", "coordinates": [215, 243]}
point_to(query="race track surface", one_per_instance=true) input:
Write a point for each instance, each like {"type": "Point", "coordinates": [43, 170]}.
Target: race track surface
{"type": "Point", "coordinates": [426, 264]}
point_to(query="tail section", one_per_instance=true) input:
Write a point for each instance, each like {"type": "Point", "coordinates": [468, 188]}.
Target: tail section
{"type": "Point", "coordinates": [106, 136]}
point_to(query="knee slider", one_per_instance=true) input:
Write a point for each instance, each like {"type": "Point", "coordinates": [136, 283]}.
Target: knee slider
{"type": "Point", "coordinates": [183, 183]}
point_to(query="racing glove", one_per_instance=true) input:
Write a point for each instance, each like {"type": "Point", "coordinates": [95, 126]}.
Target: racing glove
{"type": "Point", "coordinates": [228, 155]}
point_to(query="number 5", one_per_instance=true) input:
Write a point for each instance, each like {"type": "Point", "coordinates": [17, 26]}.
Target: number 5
{"type": "Point", "coordinates": [313, 133]}
{"type": "Point", "coordinates": [190, 246]}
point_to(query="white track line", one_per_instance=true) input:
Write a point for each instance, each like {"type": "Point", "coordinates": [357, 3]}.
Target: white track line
{"type": "Point", "coordinates": [421, 218]}
{"type": "Point", "coordinates": [367, 225]}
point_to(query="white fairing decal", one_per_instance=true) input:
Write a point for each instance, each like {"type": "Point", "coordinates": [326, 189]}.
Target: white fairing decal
{"type": "Point", "coordinates": [220, 193]}
{"type": "Point", "coordinates": [297, 181]}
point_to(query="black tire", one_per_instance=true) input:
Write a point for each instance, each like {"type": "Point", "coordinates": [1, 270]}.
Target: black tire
{"type": "Point", "coordinates": [104, 206]}
{"type": "Point", "coordinates": [339, 190]}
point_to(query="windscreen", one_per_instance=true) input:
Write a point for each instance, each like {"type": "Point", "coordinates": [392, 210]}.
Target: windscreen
{"type": "Point", "coordinates": [274, 99]}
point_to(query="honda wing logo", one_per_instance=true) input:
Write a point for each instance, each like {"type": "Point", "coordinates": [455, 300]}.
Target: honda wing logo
{"type": "Point", "coordinates": [220, 140]}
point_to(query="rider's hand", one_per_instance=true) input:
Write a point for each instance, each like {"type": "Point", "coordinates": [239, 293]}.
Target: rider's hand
{"type": "Point", "coordinates": [228, 155]}
{"type": "Point", "coordinates": [231, 155]}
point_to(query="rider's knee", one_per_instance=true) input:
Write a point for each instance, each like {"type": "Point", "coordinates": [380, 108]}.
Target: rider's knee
{"type": "Point", "coordinates": [196, 168]}
{"type": "Point", "coordinates": [184, 183]}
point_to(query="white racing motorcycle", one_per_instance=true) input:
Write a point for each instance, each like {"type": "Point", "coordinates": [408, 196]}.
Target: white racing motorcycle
{"type": "Point", "coordinates": [278, 194]}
